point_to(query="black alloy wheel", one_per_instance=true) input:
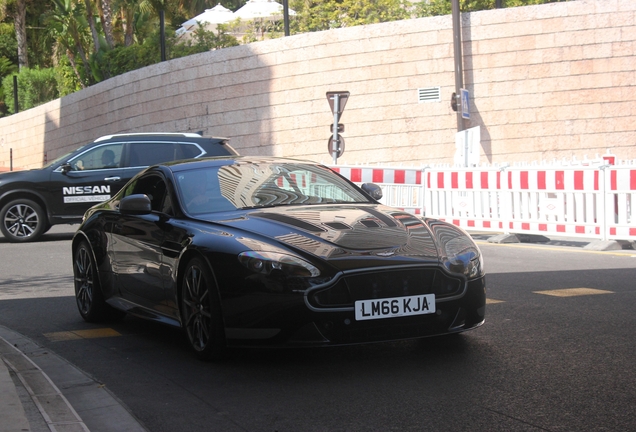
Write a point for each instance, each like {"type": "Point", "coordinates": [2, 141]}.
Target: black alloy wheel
{"type": "Point", "coordinates": [88, 293]}
{"type": "Point", "coordinates": [201, 311]}
{"type": "Point", "coordinates": [23, 220]}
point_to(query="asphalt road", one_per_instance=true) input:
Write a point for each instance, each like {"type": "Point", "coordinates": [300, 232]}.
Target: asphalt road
{"type": "Point", "coordinates": [556, 354]}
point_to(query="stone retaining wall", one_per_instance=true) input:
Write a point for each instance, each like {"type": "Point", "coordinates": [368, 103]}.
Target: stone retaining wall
{"type": "Point", "coordinates": [550, 81]}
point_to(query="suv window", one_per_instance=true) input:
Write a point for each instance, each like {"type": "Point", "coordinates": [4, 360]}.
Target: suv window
{"type": "Point", "coordinates": [146, 154]}
{"type": "Point", "coordinates": [102, 157]}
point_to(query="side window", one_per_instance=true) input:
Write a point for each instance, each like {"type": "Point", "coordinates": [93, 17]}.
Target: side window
{"type": "Point", "coordinates": [155, 187]}
{"type": "Point", "coordinates": [102, 157]}
{"type": "Point", "coordinates": [188, 151]}
{"type": "Point", "coordinates": [146, 154]}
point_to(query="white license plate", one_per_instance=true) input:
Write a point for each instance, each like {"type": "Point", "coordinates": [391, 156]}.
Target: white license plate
{"type": "Point", "coordinates": [395, 307]}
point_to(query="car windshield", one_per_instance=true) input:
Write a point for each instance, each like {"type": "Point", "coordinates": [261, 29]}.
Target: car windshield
{"type": "Point", "coordinates": [264, 184]}
{"type": "Point", "coordinates": [62, 158]}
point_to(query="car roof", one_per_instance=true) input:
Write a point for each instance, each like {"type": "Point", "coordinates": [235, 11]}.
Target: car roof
{"type": "Point", "coordinates": [141, 136]}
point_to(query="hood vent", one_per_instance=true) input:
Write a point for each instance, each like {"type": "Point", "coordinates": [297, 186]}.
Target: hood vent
{"type": "Point", "coordinates": [290, 221]}
{"type": "Point", "coordinates": [381, 216]}
{"type": "Point", "coordinates": [337, 225]}
{"type": "Point", "coordinates": [370, 223]}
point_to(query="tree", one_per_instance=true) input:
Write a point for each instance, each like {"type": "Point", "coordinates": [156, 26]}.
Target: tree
{"type": "Point", "coordinates": [91, 23]}
{"type": "Point", "coordinates": [106, 16]}
{"type": "Point", "coordinates": [16, 9]}
{"type": "Point", "coordinates": [444, 7]}
{"type": "Point", "coordinates": [317, 15]}
{"type": "Point", "coordinates": [68, 25]}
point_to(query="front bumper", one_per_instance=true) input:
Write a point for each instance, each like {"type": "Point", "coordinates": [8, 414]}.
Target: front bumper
{"type": "Point", "coordinates": [290, 319]}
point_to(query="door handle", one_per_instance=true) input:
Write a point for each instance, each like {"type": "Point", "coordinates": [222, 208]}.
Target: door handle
{"type": "Point", "coordinates": [112, 179]}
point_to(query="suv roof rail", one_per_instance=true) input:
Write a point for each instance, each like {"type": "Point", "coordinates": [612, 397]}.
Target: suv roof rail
{"type": "Point", "coordinates": [184, 134]}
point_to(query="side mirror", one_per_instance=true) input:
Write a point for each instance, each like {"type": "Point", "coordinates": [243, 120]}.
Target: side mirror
{"type": "Point", "coordinates": [373, 190]}
{"type": "Point", "coordinates": [138, 204]}
{"type": "Point", "coordinates": [65, 167]}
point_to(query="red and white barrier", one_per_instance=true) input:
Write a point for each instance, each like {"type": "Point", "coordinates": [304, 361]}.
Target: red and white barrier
{"type": "Point", "coordinates": [401, 187]}
{"type": "Point", "coordinates": [585, 201]}
{"type": "Point", "coordinates": [621, 196]}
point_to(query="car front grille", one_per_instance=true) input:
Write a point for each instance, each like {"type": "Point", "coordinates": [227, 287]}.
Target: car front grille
{"type": "Point", "coordinates": [386, 284]}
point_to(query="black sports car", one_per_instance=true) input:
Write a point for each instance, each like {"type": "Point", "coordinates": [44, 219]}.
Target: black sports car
{"type": "Point", "coordinates": [264, 251]}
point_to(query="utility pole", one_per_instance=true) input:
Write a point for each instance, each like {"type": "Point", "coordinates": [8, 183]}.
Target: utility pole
{"type": "Point", "coordinates": [286, 16]}
{"type": "Point", "coordinates": [459, 72]}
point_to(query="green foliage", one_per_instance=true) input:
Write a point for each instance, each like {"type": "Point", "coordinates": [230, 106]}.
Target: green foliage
{"type": "Point", "coordinates": [123, 59]}
{"type": "Point", "coordinates": [203, 40]}
{"type": "Point", "coordinates": [35, 87]}
{"type": "Point", "coordinates": [66, 79]}
{"type": "Point", "coordinates": [7, 69]}
{"type": "Point", "coordinates": [317, 15]}
{"type": "Point", "coordinates": [444, 7]}
{"type": "Point", "coordinates": [8, 42]}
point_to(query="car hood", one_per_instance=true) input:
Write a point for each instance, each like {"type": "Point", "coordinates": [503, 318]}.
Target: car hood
{"type": "Point", "coordinates": [32, 175]}
{"type": "Point", "coordinates": [345, 231]}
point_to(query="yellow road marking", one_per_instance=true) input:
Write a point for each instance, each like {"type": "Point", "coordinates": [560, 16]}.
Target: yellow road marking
{"type": "Point", "coordinates": [493, 301]}
{"type": "Point", "coordinates": [572, 292]}
{"type": "Point", "coordinates": [81, 334]}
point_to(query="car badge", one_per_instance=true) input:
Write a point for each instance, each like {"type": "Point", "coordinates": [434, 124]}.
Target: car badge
{"type": "Point", "coordinates": [385, 254]}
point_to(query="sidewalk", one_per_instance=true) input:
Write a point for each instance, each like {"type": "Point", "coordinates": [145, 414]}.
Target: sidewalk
{"type": "Point", "coordinates": [591, 244]}
{"type": "Point", "coordinates": [40, 391]}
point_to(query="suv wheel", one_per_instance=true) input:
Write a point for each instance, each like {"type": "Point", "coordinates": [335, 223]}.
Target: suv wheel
{"type": "Point", "coordinates": [22, 220]}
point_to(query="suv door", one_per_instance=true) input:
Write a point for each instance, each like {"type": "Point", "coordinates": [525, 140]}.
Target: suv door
{"type": "Point", "coordinates": [94, 176]}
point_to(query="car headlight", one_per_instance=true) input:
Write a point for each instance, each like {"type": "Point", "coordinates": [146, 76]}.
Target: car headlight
{"type": "Point", "coordinates": [461, 255]}
{"type": "Point", "coordinates": [268, 262]}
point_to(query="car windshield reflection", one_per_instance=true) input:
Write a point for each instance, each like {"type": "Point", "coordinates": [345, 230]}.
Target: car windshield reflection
{"type": "Point", "coordinates": [246, 185]}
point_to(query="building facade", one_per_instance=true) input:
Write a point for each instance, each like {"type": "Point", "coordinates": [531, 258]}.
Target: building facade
{"type": "Point", "coordinates": [546, 82]}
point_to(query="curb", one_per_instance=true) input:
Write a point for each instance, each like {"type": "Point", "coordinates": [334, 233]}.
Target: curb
{"type": "Point", "coordinates": [67, 399]}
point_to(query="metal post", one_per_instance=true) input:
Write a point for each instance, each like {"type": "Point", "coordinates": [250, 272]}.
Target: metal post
{"type": "Point", "coordinates": [459, 73]}
{"type": "Point", "coordinates": [336, 144]}
{"type": "Point", "coordinates": [162, 31]}
{"type": "Point", "coordinates": [11, 159]}
{"type": "Point", "coordinates": [15, 94]}
{"type": "Point", "coordinates": [286, 16]}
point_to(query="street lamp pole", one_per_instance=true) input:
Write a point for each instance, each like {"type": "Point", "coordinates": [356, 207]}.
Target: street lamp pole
{"type": "Point", "coordinates": [459, 72]}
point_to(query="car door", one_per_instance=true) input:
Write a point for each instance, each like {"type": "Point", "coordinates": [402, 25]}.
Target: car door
{"type": "Point", "coordinates": [90, 177]}
{"type": "Point", "coordinates": [136, 246]}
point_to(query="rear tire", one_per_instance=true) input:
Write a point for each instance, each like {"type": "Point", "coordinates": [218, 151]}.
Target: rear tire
{"type": "Point", "coordinates": [201, 311]}
{"type": "Point", "coordinates": [22, 220]}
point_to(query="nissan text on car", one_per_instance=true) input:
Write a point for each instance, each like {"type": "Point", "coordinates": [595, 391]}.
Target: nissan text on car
{"type": "Point", "coordinates": [32, 201]}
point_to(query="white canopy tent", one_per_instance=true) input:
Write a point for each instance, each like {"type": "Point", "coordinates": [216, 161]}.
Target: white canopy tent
{"type": "Point", "coordinates": [209, 19]}
{"type": "Point", "coordinates": [268, 9]}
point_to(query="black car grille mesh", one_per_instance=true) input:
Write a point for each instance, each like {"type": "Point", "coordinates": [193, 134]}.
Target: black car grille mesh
{"type": "Point", "coordinates": [387, 284]}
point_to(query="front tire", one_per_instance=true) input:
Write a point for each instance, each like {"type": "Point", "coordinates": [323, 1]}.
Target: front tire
{"type": "Point", "coordinates": [23, 220]}
{"type": "Point", "coordinates": [88, 293]}
{"type": "Point", "coordinates": [201, 311]}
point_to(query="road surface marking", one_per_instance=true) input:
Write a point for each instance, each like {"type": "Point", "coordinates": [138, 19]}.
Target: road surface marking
{"type": "Point", "coordinates": [573, 292]}
{"type": "Point", "coordinates": [81, 334]}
